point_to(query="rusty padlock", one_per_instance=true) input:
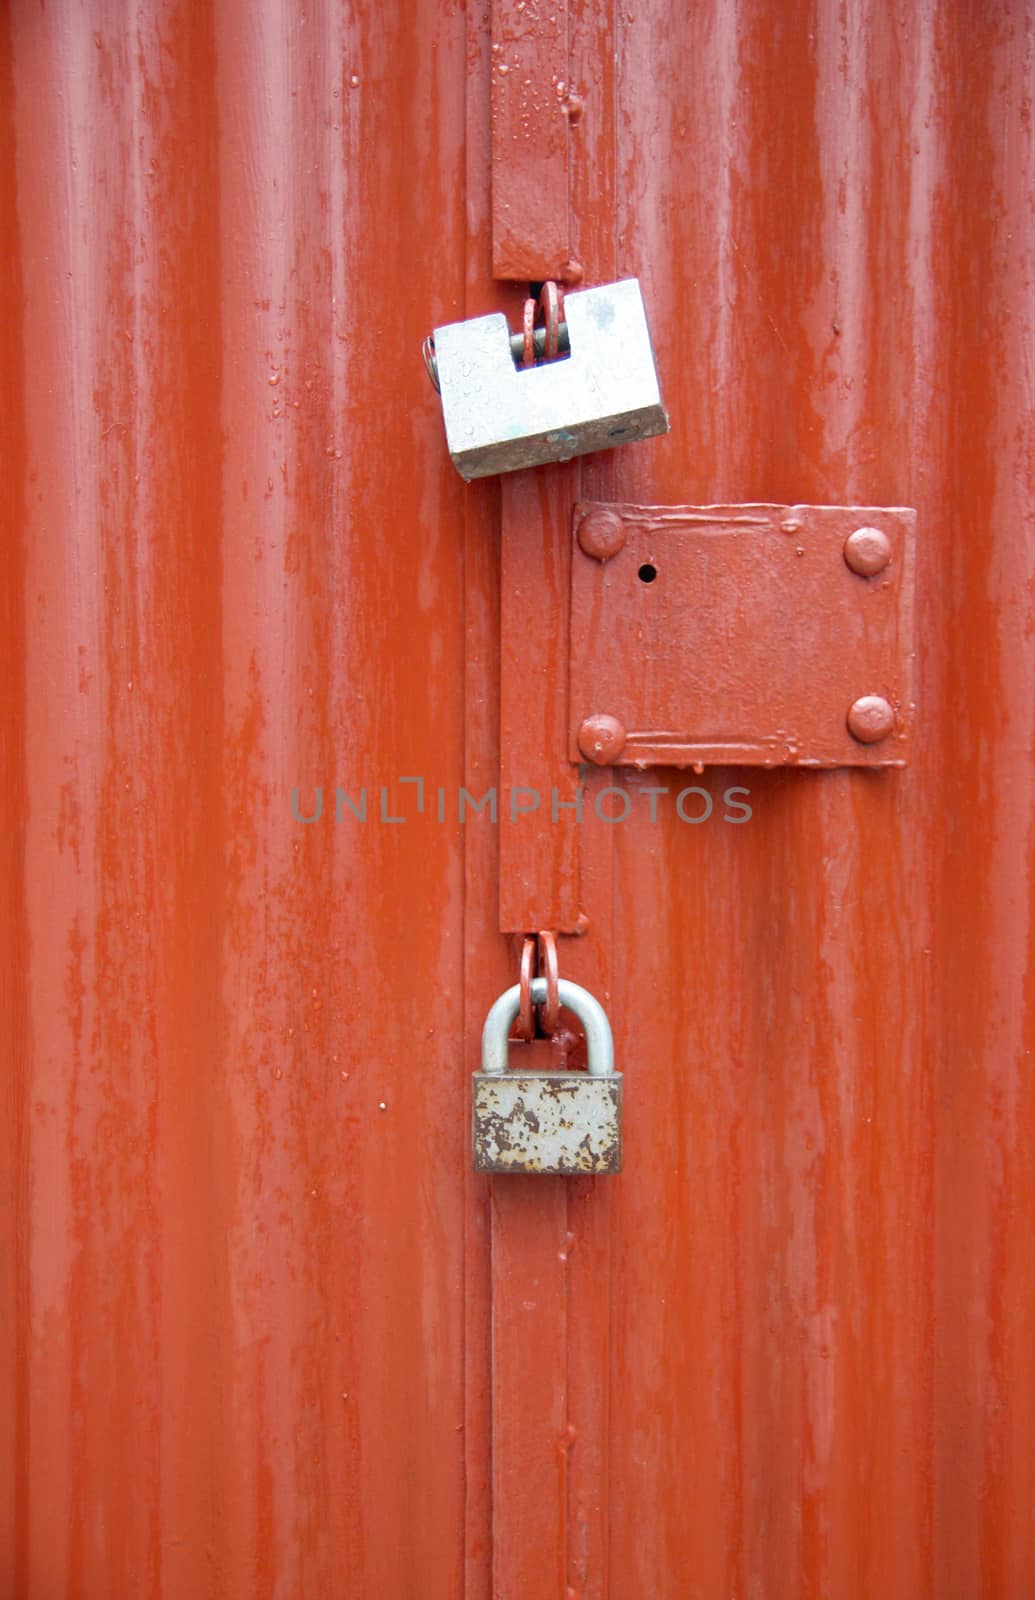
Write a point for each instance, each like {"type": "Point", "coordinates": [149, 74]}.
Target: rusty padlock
{"type": "Point", "coordinates": [548, 1122]}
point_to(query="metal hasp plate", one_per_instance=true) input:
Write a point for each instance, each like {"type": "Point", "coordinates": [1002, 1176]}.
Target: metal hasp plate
{"type": "Point", "coordinates": [605, 393]}
{"type": "Point", "coordinates": [751, 635]}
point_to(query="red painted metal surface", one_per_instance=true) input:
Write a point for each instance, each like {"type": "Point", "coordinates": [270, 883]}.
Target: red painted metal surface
{"type": "Point", "coordinates": [533, 110]}
{"type": "Point", "coordinates": [539, 788]}
{"type": "Point", "coordinates": [740, 636]}
{"type": "Point", "coordinates": [250, 1277]}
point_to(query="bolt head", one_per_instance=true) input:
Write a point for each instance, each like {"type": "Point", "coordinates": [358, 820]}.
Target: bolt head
{"type": "Point", "coordinates": [601, 534]}
{"type": "Point", "coordinates": [867, 551]}
{"type": "Point", "coordinates": [870, 719]}
{"type": "Point", "coordinates": [602, 739]}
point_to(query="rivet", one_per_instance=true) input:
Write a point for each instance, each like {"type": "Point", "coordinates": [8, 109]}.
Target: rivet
{"type": "Point", "coordinates": [601, 534]}
{"type": "Point", "coordinates": [870, 718]}
{"type": "Point", "coordinates": [867, 551]}
{"type": "Point", "coordinates": [601, 739]}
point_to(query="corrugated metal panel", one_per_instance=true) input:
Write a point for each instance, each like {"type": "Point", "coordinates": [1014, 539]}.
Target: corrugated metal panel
{"type": "Point", "coordinates": [247, 1345]}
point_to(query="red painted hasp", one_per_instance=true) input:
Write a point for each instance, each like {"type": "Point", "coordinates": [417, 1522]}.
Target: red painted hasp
{"type": "Point", "coordinates": [534, 109]}
{"type": "Point", "coordinates": [745, 635]}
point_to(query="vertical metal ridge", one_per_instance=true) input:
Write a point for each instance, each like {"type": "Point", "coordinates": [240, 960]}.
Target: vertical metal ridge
{"type": "Point", "coordinates": [981, 952]}
{"type": "Point", "coordinates": [14, 950]}
{"type": "Point", "coordinates": [118, 588]}
{"type": "Point", "coordinates": [270, 1398]}
{"type": "Point", "coordinates": [486, 965]}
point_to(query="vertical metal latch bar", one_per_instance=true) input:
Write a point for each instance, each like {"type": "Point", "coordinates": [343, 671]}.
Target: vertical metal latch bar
{"type": "Point", "coordinates": [532, 114]}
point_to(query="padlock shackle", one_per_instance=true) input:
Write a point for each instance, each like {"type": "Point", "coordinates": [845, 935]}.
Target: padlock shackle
{"type": "Point", "coordinates": [600, 1050]}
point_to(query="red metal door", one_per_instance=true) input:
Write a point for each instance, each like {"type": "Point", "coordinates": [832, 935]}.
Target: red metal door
{"type": "Point", "coordinates": [265, 1332]}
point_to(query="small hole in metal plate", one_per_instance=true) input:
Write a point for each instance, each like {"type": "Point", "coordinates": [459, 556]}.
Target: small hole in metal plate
{"type": "Point", "coordinates": [648, 572]}
{"type": "Point", "coordinates": [616, 433]}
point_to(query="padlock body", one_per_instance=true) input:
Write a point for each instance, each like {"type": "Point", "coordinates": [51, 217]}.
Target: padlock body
{"type": "Point", "coordinates": [605, 393]}
{"type": "Point", "coordinates": [568, 1123]}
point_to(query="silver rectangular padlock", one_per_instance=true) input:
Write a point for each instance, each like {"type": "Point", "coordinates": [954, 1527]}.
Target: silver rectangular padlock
{"type": "Point", "coordinates": [604, 393]}
{"type": "Point", "coordinates": [568, 1123]}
